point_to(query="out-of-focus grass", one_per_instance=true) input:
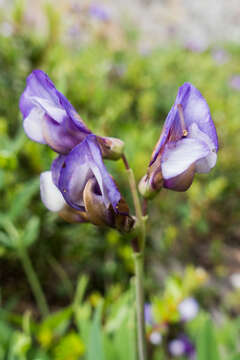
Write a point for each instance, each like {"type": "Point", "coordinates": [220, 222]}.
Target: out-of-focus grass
{"type": "Point", "coordinates": [123, 93]}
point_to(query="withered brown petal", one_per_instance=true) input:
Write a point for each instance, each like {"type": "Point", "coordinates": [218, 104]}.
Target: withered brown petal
{"type": "Point", "coordinates": [72, 215]}
{"type": "Point", "coordinates": [96, 210]}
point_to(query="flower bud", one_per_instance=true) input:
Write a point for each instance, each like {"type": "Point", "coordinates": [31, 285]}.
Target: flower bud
{"type": "Point", "coordinates": [111, 148]}
{"type": "Point", "coordinates": [148, 187]}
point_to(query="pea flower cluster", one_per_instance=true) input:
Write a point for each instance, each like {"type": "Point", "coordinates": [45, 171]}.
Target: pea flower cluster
{"type": "Point", "coordinates": [78, 186]}
{"type": "Point", "coordinates": [188, 144]}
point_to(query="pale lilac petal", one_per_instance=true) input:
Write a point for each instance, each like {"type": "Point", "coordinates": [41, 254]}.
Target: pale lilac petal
{"type": "Point", "coordinates": [50, 194]}
{"type": "Point", "coordinates": [178, 157]}
{"type": "Point", "coordinates": [203, 165]}
{"type": "Point", "coordinates": [83, 163]}
{"type": "Point", "coordinates": [32, 125]}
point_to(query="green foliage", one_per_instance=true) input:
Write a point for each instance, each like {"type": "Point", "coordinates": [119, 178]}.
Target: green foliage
{"type": "Point", "coordinates": [118, 92]}
{"type": "Point", "coordinates": [207, 347]}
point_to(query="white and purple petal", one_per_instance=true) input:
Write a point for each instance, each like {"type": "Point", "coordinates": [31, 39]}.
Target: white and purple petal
{"type": "Point", "coordinates": [81, 164]}
{"type": "Point", "coordinates": [178, 157]}
{"type": "Point", "coordinates": [50, 194]}
{"type": "Point", "coordinates": [48, 115]}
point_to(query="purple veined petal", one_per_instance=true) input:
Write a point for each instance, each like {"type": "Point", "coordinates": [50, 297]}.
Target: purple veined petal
{"type": "Point", "coordinates": [63, 137]}
{"type": "Point", "coordinates": [39, 87]}
{"type": "Point", "coordinates": [178, 157]}
{"type": "Point", "coordinates": [83, 163]}
{"type": "Point", "coordinates": [50, 194]}
{"type": "Point", "coordinates": [49, 108]}
{"type": "Point", "coordinates": [43, 105]}
{"type": "Point", "coordinates": [195, 110]}
{"type": "Point", "coordinates": [56, 168]}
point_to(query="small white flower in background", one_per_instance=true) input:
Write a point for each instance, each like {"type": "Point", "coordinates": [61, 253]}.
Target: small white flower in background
{"type": "Point", "coordinates": [155, 338]}
{"type": "Point", "coordinates": [235, 280]}
{"type": "Point", "coordinates": [188, 309]}
{"type": "Point", "coordinates": [176, 347]}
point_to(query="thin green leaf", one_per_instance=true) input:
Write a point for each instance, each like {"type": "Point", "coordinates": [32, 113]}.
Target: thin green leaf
{"type": "Point", "coordinates": [207, 347]}
{"type": "Point", "coordinates": [31, 231]}
{"type": "Point", "coordinates": [22, 198]}
{"type": "Point", "coordinates": [95, 344]}
{"type": "Point", "coordinates": [5, 240]}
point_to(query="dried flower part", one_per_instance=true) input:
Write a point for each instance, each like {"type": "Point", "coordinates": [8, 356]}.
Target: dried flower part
{"type": "Point", "coordinates": [99, 214]}
{"type": "Point", "coordinates": [49, 118]}
{"type": "Point", "coordinates": [72, 215]}
{"type": "Point", "coordinates": [188, 144]}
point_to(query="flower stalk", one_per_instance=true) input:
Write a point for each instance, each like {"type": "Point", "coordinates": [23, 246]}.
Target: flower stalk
{"type": "Point", "coordinates": [138, 245]}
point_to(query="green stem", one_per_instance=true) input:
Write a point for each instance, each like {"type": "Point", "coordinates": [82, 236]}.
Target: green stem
{"type": "Point", "coordinates": [136, 201]}
{"type": "Point", "coordinates": [138, 262]}
{"type": "Point", "coordinates": [138, 256]}
{"type": "Point", "coordinates": [33, 279]}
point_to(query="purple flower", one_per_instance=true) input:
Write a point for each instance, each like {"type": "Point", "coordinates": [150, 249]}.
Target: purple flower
{"type": "Point", "coordinates": [182, 346]}
{"type": "Point", "coordinates": [220, 56]}
{"type": "Point", "coordinates": [148, 315]}
{"type": "Point", "coordinates": [234, 82]}
{"type": "Point", "coordinates": [49, 118]}
{"type": "Point", "coordinates": [99, 12]}
{"type": "Point", "coordinates": [86, 187]}
{"type": "Point", "coordinates": [188, 309]}
{"type": "Point", "coordinates": [196, 45]}
{"type": "Point", "coordinates": [188, 144]}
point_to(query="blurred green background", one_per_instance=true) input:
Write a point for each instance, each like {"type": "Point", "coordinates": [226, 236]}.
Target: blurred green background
{"type": "Point", "coordinates": [85, 272]}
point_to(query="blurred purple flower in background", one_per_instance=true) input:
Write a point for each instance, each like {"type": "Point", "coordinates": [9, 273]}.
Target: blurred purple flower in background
{"type": "Point", "coordinates": [220, 56]}
{"type": "Point", "coordinates": [234, 82]}
{"type": "Point", "coordinates": [188, 309]}
{"type": "Point", "coordinates": [99, 12]}
{"type": "Point", "coordinates": [188, 144]}
{"type": "Point", "coordinates": [148, 315]}
{"type": "Point", "coordinates": [49, 118]}
{"type": "Point", "coordinates": [196, 45]}
{"type": "Point", "coordinates": [182, 346]}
